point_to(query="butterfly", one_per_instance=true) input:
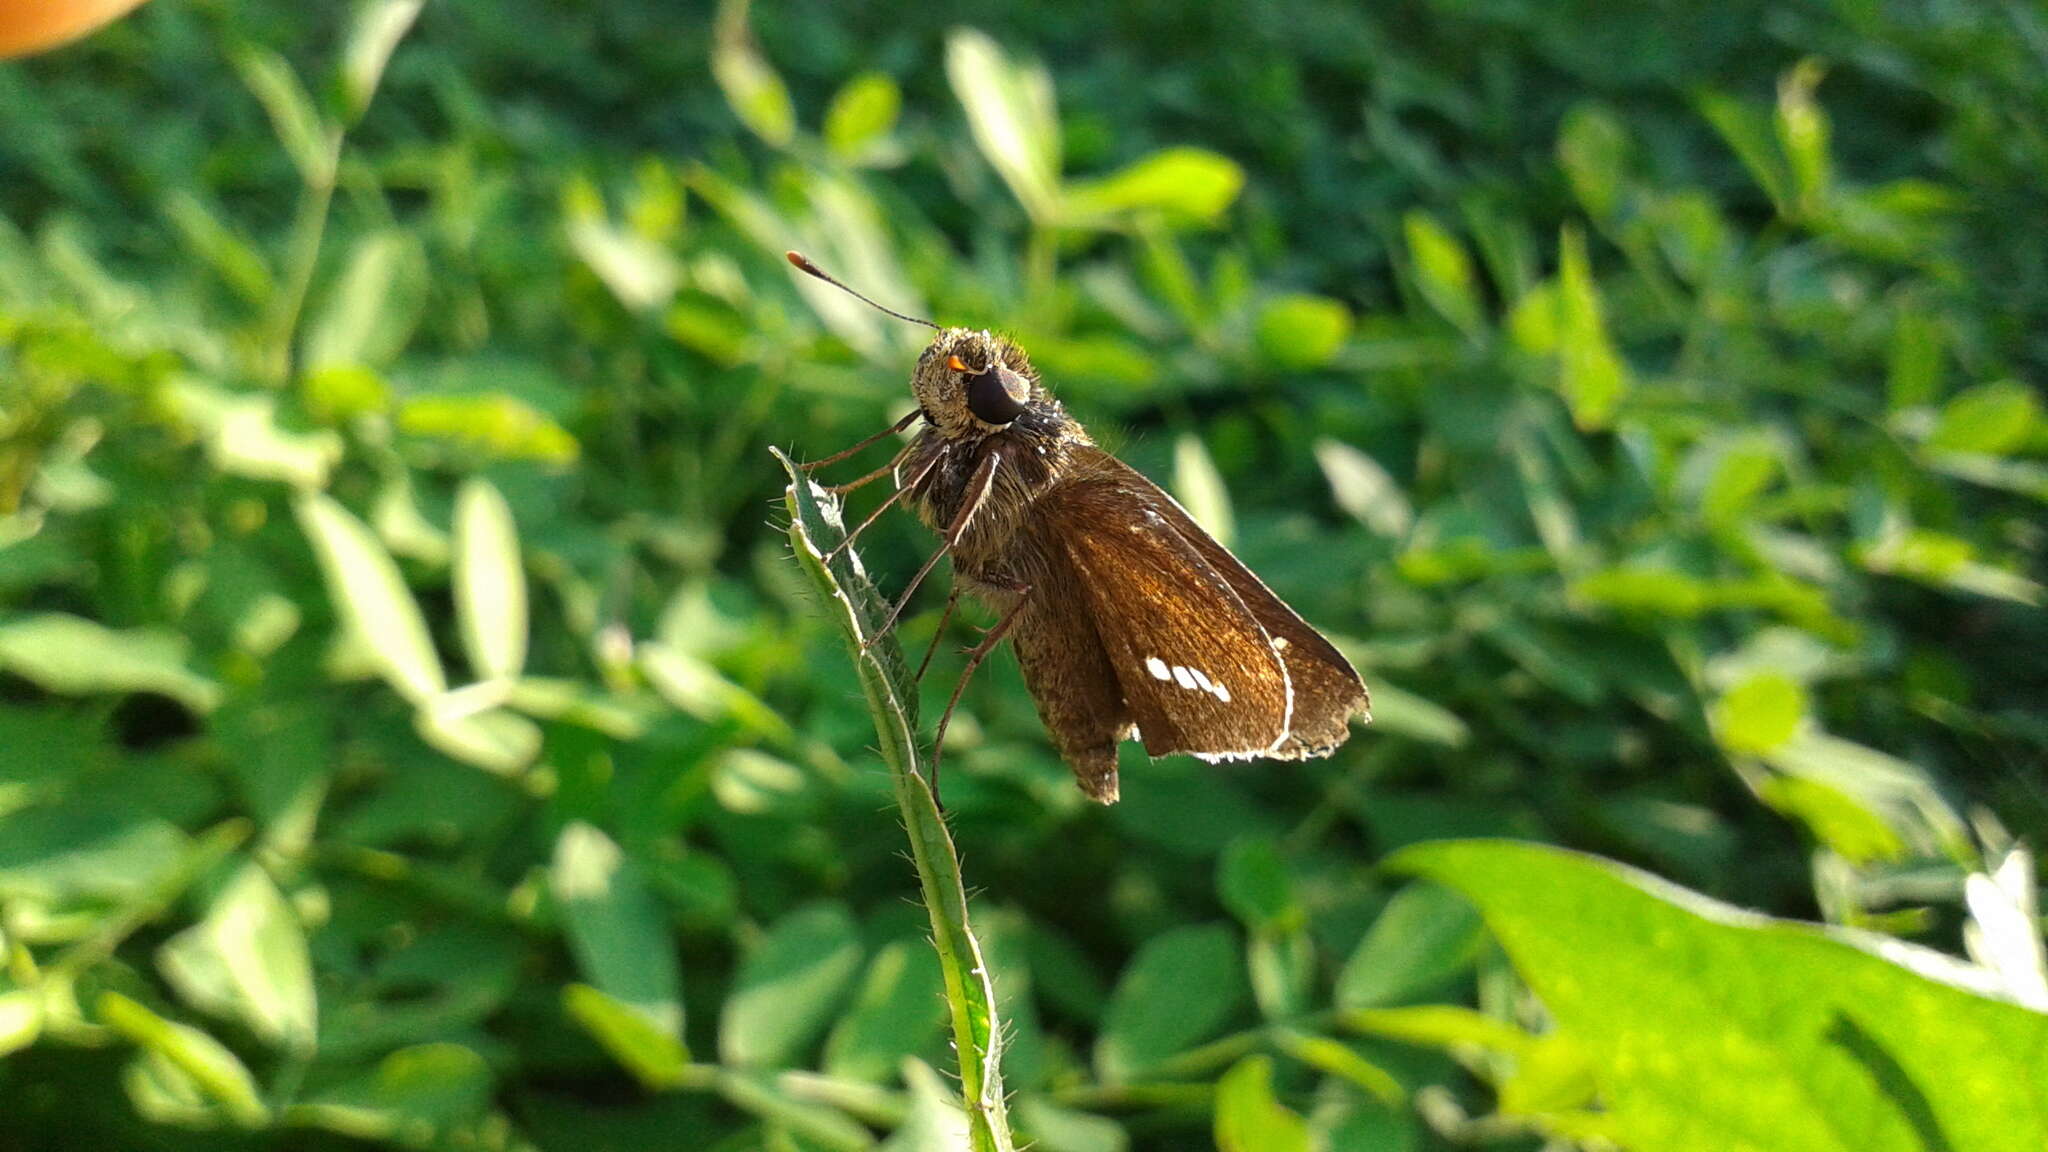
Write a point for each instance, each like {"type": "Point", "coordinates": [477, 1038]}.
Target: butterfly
{"type": "Point", "coordinates": [1129, 621]}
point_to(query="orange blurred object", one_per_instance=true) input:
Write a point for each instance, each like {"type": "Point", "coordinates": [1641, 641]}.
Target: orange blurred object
{"type": "Point", "coordinates": [32, 25]}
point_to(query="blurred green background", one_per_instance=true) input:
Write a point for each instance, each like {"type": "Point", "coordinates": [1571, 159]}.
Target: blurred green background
{"type": "Point", "coordinates": [414, 731]}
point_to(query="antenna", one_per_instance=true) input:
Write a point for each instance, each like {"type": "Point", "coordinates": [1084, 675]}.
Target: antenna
{"type": "Point", "coordinates": [803, 264]}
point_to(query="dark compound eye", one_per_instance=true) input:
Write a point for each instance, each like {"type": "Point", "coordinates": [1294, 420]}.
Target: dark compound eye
{"type": "Point", "coordinates": [997, 395]}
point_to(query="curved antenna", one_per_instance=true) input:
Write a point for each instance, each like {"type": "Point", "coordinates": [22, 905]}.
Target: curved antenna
{"type": "Point", "coordinates": [803, 264]}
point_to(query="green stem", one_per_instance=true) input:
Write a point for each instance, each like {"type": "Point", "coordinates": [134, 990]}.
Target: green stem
{"type": "Point", "coordinates": [309, 232]}
{"type": "Point", "coordinates": [816, 526]}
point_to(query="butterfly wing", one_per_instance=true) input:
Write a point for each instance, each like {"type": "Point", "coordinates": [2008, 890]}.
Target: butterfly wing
{"type": "Point", "coordinates": [1327, 690]}
{"type": "Point", "coordinates": [1198, 673]}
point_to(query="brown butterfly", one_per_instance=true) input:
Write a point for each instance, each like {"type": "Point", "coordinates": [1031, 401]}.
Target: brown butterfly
{"type": "Point", "coordinates": [1129, 621]}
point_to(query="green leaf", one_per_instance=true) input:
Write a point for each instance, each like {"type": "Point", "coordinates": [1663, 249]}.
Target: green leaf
{"type": "Point", "coordinates": [1989, 419]}
{"type": "Point", "coordinates": [1364, 489]}
{"type": "Point", "coordinates": [862, 113]}
{"type": "Point", "coordinates": [1342, 1061]}
{"type": "Point", "coordinates": [1301, 332]}
{"type": "Point", "coordinates": [1803, 135]}
{"type": "Point", "coordinates": [370, 312]}
{"type": "Point", "coordinates": [490, 584]}
{"type": "Point", "coordinates": [411, 1093]}
{"type": "Point", "coordinates": [496, 424]}
{"type": "Point", "coordinates": [1443, 272]}
{"type": "Point", "coordinates": [1442, 1026]}
{"type": "Point", "coordinates": [1759, 714]}
{"type": "Point", "coordinates": [1710, 1027]}
{"type": "Point", "coordinates": [1249, 1118]}
{"type": "Point", "coordinates": [616, 930]}
{"type": "Point", "coordinates": [1253, 882]}
{"type": "Point", "coordinates": [307, 139]}
{"type": "Point", "coordinates": [655, 1058]}
{"type": "Point", "coordinates": [379, 26]}
{"type": "Point", "coordinates": [78, 657]}
{"type": "Point", "coordinates": [752, 86]}
{"type": "Point", "coordinates": [1834, 818]}
{"type": "Point", "coordinates": [897, 1013]}
{"type": "Point", "coordinates": [462, 725]}
{"type": "Point", "coordinates": [1200, 487]}
{"type": "Point", "coordinates": [1592, 148]}
{"type": "Point", "coordinates": [1748, 130]}
{"type": "Point", "coordinates": [788, 987]}
{"type": "Point", "coordinates": [372, 598]}
{"type": "Point", "coordinates": [814, 1125]}
{"type": "Point", "coordinates": [1056, 1129]}
{"type": "Point", "coordinates": [1185, 186]}
{"type": "Point", "coordinates": [1919, 341]}
{"type": "Point", "coordinates": [1179, 989]}
{"type": "Point", "coordinates": [1425, 937]}
{"type": "Point", "coordinates": [21, 1019]}
{"type": "Point", "coordinates": [1010, 110]}
{"type": "Point", "coordinates": [1590, 371]}
{"type": "Point", "coordinates": [215, 1070]}
{"type": "Point", "coordinates": [248, 960]}
{"type": "Point", "coordinates": [936, 1123]}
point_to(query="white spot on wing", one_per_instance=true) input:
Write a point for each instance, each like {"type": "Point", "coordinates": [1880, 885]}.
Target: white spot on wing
{"type": "Point", "coordinates": [1183, 677]}
{"type": "Point", "coordinates": [1223, 693]}
{"type": "Point", "coordinates": [1157, 668]}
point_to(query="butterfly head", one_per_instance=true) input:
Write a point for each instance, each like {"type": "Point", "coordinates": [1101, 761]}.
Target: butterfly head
{"type": "Point", "coordinates": [972, 382]}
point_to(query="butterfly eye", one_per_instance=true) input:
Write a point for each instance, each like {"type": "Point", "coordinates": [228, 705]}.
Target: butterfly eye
{"type": "Point", "coordinates": [997, 395]}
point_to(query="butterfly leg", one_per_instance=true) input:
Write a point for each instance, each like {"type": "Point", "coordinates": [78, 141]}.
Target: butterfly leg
{"type": "Point", "coordinates": [939, 633]}
{"type": "Point", "coordinates": [877, 474]}
{"type": "Point", "coordinates": [891, 430]}
{"type": "Point", "coordinates": [901, 491]}
{"type": "Point", "coordinates": [975, 656]}
{"type": "Point", "coordinates": [978, 487]}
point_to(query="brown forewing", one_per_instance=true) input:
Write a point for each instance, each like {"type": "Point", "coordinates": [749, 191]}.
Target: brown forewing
{"type": "Point", "coordinates": [1327, 690]}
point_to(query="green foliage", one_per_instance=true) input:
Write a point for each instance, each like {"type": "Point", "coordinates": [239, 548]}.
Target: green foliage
{"type": "Point", "coordinates": [414, 733]}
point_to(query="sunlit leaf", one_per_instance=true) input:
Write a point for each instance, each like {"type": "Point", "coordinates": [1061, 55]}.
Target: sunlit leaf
{"type": "Point", "coordinates": [1590, 371]}
{"type": "Point", "coordinates": [293, 117]}
{"type": "Point", "coordinates": [862, 113]}
{"type": "Point", "coordinates": [1300, 332]}
{"type": "Point", "coordinates": [490, 583]}
{"type": "Point", "coordinates": [1201, 489]}
{"type": "Point", "coordinates": [1759, 714]}
{"type": "Point", "coordinates": [213, 1068]}
{"type": "Point", "coordinates": [1249, 1118]}
{"type": "Point", "coordinates": [1184, 185]}
{"type": "Point", "coordinates": [379, 26]}
{"type": "Point", "coordinates": [752, 86]}
{"type": "Point", "coordinates": [1801, 1027]}
{"type": "Point", "coordinates": [372, 598]}
{"type": "Point", "coordinates": [656, 1058]}
{"type": "Point", "coordinates": [1364, 489]}
{"type": "Point", "coordinates": [248, 960]}
{"type": "Point", "coordinates": [369, 314]}
{"type": "Point", "coordinates": [1443, 272]}
{"type": "Point", "coordinates": [1010, 110]}
{"type": "Point", "coordinates": [1990, 419]}
{"type": "Point", "coordinates": [76, 656]}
